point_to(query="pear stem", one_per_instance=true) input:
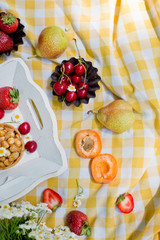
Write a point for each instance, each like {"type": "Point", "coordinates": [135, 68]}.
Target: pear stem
{"type": "Point", "coordinates": [91, 111]}
{"type": "Point", "coordinates": [33, 56]}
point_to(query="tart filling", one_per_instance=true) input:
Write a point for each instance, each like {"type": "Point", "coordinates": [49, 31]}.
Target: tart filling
{"type": "Point", "coordinates": [11, 146]}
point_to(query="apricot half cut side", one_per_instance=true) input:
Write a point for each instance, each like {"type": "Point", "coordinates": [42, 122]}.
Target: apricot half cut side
{"type": "Point", "coordinates": [88, 143]}
{"type": "Point", "coordinates": [104, 168]}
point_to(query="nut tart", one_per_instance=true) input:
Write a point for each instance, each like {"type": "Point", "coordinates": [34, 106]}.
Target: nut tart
{"type": "Point", "coordinates": [11, 146]}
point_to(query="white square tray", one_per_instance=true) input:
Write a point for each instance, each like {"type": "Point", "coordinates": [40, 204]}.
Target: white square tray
{"type": "Point", "coordinates": [49, 160]}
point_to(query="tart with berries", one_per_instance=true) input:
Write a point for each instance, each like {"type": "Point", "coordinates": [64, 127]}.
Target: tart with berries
{"type": "Point", "coordinates": [11, 146]}
{"type": "Point", "coordinates": [75, 81]}
{"type": "Point", "coordinates": [11, 33]}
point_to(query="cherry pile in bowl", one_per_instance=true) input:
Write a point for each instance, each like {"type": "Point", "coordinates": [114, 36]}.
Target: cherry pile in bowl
{"type": "Point", "coordinates": [75, 81]}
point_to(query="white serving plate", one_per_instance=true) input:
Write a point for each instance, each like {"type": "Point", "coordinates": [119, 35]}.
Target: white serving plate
{"type": "Point", "coordinates": [49, 160]}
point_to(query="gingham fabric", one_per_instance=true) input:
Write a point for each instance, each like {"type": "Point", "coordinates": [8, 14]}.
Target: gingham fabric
{"type": "Point", "coordinates": [121, 38]}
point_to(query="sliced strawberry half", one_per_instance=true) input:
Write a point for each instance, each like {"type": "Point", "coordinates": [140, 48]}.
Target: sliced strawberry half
{"type": "Point", "coordinates": [52, 198]}
{"type": "Point", "coordinates": [125, 203]}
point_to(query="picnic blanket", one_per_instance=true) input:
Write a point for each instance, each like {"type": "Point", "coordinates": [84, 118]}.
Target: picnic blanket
{"type": "Point", "coordinates": [122, 39]}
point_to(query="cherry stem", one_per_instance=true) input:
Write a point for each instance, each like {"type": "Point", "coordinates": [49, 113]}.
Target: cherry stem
{"type": "Point", "coordinates": [80, 60]}
{"type": "Point", "coordinates": [77, 48]}
{"type": "Point", "coordinates": [63, 74]}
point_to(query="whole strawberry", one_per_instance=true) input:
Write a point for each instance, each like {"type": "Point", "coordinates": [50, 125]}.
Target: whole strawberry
{"type": "Point", "coordinates": [8, 23]}
{"type": "Point", "coordinates": [6, 43]}
{"type": "Point", "coordinates": [9, 98]}
{"type": "Point", "coordinates": [77, 221]}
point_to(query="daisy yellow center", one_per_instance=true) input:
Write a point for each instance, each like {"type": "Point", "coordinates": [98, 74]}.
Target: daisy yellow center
{"type": "Point", "coordinates": [1, 151]}
{"type": "Point", "coordinates": [17, 116]}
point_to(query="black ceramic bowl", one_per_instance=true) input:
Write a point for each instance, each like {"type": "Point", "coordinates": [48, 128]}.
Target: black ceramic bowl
{"type": "Point", "coordinates": [17, 38]}
{"type": "Point", "coordinates": [92, 79]}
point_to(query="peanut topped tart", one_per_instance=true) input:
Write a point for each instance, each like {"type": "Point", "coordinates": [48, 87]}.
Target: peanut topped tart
{"type": "Point", "coordinates": [11, 146]}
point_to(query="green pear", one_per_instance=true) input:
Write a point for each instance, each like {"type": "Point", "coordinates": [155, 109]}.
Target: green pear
{"type": "Point", "coordinates": [52, 42]}
{"type": "Point", "coordinates": [118, 116]}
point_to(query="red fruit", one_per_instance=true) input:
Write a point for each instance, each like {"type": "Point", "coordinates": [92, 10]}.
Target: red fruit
{"type": "Point", "coordinates": [66, 79]}
{"type": "Point", "coordinates": [77, 221]}
{"type": "Point", "coordinates": [8, 23]}
{"type": "Point", "coordinates": [31, 146]}
{"type": "Point", "coordinates": [52, 198]}
{"type": "Point", "coordinates": [24, 128]}
{"type": "Point", "coordinates": [82, 93]}
{"type": "Point", "coordinates": [125, 203]}
{"type": "Point", "coordinates": [9, 98]}
{"type": "Point", "coordinates": [60, 88]}
{"type": "Point", "coordinates": [79, 69]}
{"type": "Point", "coordinates": [6, 43]}
{"type": "Point", "coordinates": [71, 96]}
{"type": "Point", "coordinates": [2, 113]}
{"type": "Point", "coordinates": [68, 68]}
{"type": "Point", "coordinates": [76, 79]}
{"type": "Point", "coordinates": [83, 85]}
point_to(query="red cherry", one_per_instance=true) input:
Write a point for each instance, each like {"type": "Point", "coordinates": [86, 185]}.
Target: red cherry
{"type": "Point", "coordinates": [66, 79]}
{"type": "Point", "coordinates": [76, 79]}
{"type": "Point", "coordinates": [24, 128]}
{"type": "Point", "coordinates": [2, 113]}
{"type": "Point", "coordinates": [83, 85]}
{"type": "Point", "coordinates": [79, 69]}
{"type": "Point", "coordinates": [71, 96]}
{"type": "Point", "coordinates": [82, 93]}
{"type": "Point", "coordinates": [68, 68]}
{"type": "Point", "coordinates": [60, 88]}
{"type": "Point", "coordinates": [31, 146]}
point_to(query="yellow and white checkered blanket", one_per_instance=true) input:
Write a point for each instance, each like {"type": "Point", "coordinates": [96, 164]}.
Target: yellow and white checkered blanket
{"type": "Point", "coordinates": [122, 39]}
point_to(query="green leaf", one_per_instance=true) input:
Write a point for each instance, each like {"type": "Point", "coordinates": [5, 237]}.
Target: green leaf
{"type": "Point", "coordinates": [121, 198]}
{"type": "Point", "coordinates": [86, 229]}
{"type": "Point", "coordinates": [8, 19]}
{"type": "Point", "coordinates": [14, 95]}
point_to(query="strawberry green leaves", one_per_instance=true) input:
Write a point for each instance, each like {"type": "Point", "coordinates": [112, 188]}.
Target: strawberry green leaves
{"type": "Point", "coordinates": [14, 95]}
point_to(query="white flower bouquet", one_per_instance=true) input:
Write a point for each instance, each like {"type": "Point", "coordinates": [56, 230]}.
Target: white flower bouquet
{"type": "Point", "coordinates": [23, 221]}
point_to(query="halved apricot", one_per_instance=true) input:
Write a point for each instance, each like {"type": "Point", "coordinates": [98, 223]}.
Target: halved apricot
{"type": "Point", "coordinates": [104, 168]}
{"type": "Point", "coordinates": [88, 143]}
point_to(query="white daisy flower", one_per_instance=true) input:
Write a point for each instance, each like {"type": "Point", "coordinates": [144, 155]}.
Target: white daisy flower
{"type": "Point", "coordinates": [17, 117]}
{"type": "Point", "coordinates": [27, 138]}
{"type": "Point", "coordinates": [71, 88]}
{"type": "Point", "coordinates": [77, 203]}
{"type": "Point", "coordinates": [43, 207]}
{"type": "Point", "coordinates": [58, 232]}
{"type": "Point", "coordinates": [2, 151]}
{"type": "Point", "coordinates": [5, 206]}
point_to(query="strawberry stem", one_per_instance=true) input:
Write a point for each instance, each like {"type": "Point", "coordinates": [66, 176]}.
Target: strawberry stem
{"type": "Point", "coordinates": [14, 95]}
{"type": "Point", "coordinates": [121, 198]}
{"type": "Point", "coordinates": [86, 229]}
{"type": "Point", "coordinates": [8, 19]}
{"type": "Point", "coordinates": [55, 208]}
